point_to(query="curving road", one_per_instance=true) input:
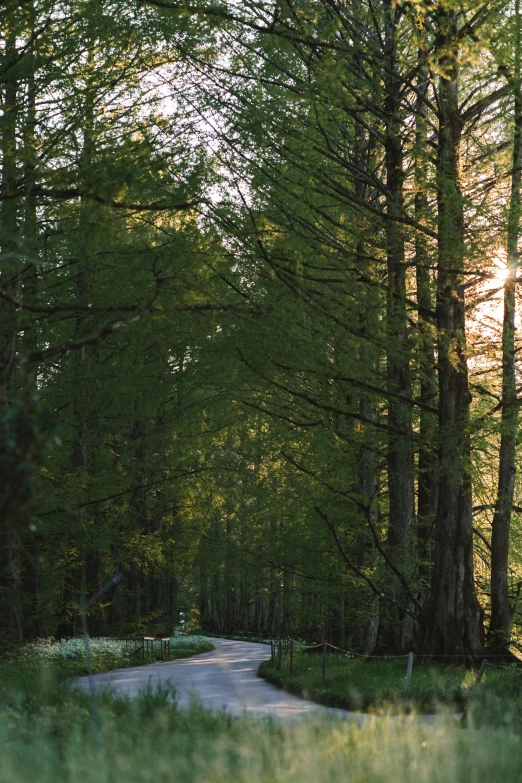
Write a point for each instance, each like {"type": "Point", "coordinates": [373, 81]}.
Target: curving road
{"type": "Point", "coordinates": [225, 678]}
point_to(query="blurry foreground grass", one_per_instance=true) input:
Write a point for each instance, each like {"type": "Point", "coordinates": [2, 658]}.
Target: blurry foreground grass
{"type": "Point", "coordinates": [46, 736]}
{"type": "Point", "coordinates": [358, 684]}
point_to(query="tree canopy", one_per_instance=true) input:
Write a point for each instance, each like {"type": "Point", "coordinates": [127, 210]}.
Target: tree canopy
{"type": "Point", "coordinates": [259, 348]}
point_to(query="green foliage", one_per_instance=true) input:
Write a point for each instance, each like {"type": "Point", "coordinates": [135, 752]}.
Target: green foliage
{"type": "Point", "coordinates": [197, 294]}
{"type": "Point", "coordinates": [25, 436]}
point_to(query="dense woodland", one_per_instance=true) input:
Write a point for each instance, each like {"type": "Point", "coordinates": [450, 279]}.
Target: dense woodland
{"type": "Point", "coordinates": [259, 358]}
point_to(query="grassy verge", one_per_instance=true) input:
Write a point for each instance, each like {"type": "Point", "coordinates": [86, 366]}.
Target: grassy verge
{"type": "Point", "coordinates": [236, 637]}
{"type": "Point", "coordinates": [46, 735]}
{"type": "Point", "coordinates": [185, 646]}
{"type": "Point", "coordinates": [361, 685]}
{"type": "Point", "coordinates": [67, 657]}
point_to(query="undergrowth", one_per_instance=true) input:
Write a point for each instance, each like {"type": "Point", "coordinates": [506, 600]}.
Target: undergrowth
{"type": "Point", "coordinates": [46, 735]}
{"type": "Point", "coordinates": [68, 657]}
{"type": "Point", "coordinates": [362, 685]}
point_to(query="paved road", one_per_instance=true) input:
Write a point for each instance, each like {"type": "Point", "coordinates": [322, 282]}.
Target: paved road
{"type": "Point", "coordinates": [227, 678]}
{"type": "Point", "coordinates": [224, 678]}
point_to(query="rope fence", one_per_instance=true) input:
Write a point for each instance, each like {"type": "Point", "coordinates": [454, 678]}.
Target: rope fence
{"type": "Point", "coordinates": [350, 653]}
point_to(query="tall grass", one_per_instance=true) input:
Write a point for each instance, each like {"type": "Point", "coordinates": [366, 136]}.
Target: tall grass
{"type": "Point", "coordinates": [46, 736]}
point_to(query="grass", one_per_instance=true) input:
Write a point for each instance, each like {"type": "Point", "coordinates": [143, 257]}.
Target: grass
{"type": "Point", "coordinates": [46, 732]}
{"type": "Point", "coordinates": [46, 735]}
{"type": "Point", "coordinates": [67, 656]}
{"type": "Point", "coordinates": [363, 685]}
{"type": "Point", "coordinates": [184, 646]}
{"type": "Point", "coordinates": [237, 637]}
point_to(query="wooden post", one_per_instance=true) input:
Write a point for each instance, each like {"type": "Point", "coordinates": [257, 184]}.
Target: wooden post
{"type": "Point", "coordinates": [474, 687]}
{"type": "Point", "coordinates": [291, 655]}
{"type": "Point", "coordinates": [280, 654]}
{"type": "Point", "coordinates": [408, 676]}
{"type": "Point", "coordinates": [149, 641]}
{"type": "Point", "coordinates": [324, 660]}
{"type": "Point", "coordinates": [480, 674]}
{"type": "Point", "coordinates": [165, 648]}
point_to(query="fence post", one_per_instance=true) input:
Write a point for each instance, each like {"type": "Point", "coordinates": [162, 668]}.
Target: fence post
{"type": "Point", "coordinates": [324, 660]}
{"type": "Point", "coordinates": [475, 685]}
{"type": "Point", "coordinates": [291, 655]}
{"type": "Point", "coordinates": [92, 690]}
{"type": "Point", "coordinates": [408, 676]}
{"type": "Point", "coordinates": [280, 654]}
{"type": "Point", "coordinates": [479, 676]}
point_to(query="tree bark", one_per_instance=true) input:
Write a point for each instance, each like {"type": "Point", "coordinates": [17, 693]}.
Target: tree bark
{"type": "Point", "coordinates": [500, 623]}
{"type": "Point", "coordinates": [30, 246]}
{"type": "Point", "coordinates": [8, 214]}
{"type": "Point", "coordinates": [453, 622]}
{"type": "Point", "coordinates": [10, 597]}
{"type": "Point", "coordinates": [397, 636]}
{"type": "Point", "coordinates": [427, 466]}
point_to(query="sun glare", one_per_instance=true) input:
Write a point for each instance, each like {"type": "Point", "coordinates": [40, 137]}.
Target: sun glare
{"type": "Point", "coordinates": [500, 276]}
{"type": "Point", "coordinates": [485, 323]}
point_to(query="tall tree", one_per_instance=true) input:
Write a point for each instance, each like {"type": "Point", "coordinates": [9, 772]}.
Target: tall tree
{"type": "Point", "coordinates": [499, 630]}
{"type": "Point", "coordinates": [454, 617]}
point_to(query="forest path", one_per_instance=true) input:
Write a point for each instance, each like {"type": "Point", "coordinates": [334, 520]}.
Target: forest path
{"type": "Point", "coordinates": [225, 678]}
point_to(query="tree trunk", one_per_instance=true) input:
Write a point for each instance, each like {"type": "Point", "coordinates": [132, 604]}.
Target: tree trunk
{"type": "Point", "coordinates": [500, 623]}
{"type": "Point", "coordinates": [427, 467]}
{"type": "Point", "coordinates": [368, 476]}
{"type": "Point", "coordinates": [10, 596]}
{"type": "Point", "coordinates": [32, 541]}
{"type": "Point", "coordinates": [453, 621]}
{"type": "Point", "coordinates": [8, 214]}
{"type": "Point", "coordinates": [396, 637]}
{"type": "Point", "coordinates": [367, 556]}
